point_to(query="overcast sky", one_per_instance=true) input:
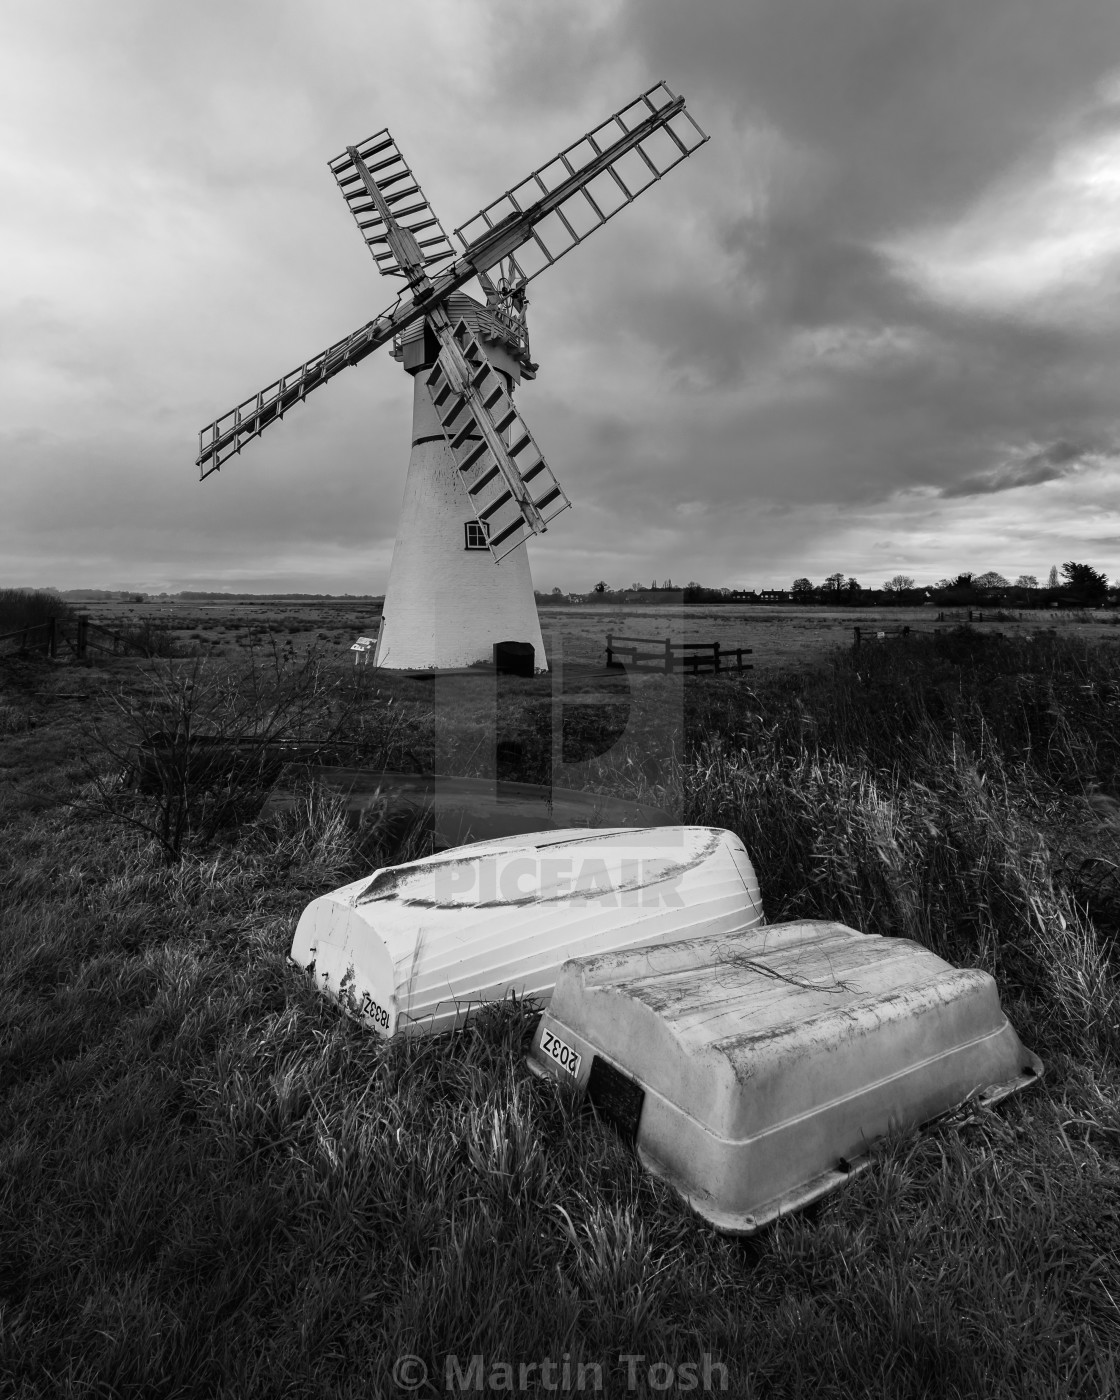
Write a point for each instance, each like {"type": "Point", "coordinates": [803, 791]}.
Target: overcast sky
{"type": "Point", "coordinates": [872, 326]}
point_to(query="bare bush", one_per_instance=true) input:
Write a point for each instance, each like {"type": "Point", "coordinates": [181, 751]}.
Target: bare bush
{"type": "Point", "coordinates": [150, 637]}
{"type": "Point", "coordinates": [195, 748]}
{"type": "Point", "coordinates": [31, 607]}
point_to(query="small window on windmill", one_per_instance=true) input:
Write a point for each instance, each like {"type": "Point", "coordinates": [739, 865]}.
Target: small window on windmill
{"type": "Point", "coordinates": [478, 532]}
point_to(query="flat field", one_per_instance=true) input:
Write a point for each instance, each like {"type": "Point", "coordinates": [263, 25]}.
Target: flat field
{"type": "Point", "coordinates": [212, 1182]}
{"type": "Point", "coordinates": [779, 636]}
{"type": "Point", "coordinates": [782, 636]}
{"type": "Point", "coordinates": [233, 626]}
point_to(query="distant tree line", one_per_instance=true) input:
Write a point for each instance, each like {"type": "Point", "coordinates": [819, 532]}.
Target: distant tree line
{"type": "Point", "coordinates": [197, 597]}
{"type": "Point", "coordinates": [99, 595]}
{"type": "Point", "coordinates": [668, 591]}
{"type": "Point", "coordinates": [1074, 585]}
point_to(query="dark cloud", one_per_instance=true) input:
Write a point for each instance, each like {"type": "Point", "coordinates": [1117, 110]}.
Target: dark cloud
{"type": "Point", "coordinates": [808, 277]}
{"type": "Point", "coordinates": [1059, 460]}
{"type": "Point", "coordinates": [904, 113]}
{"type": "Point", "coordinates": [745, 361]}
{"type": "Point", "coordinates": [915, 107]}
{"type": "Point", "coordinates": [552, 56]}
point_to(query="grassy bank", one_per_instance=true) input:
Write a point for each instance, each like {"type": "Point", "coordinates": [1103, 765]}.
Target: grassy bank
{"type": "Point", "coordinates": [212, 1183]}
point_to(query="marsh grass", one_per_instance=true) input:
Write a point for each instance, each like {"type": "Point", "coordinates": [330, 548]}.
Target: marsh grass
{"type": "Point", "coordinates": [213, 1183]}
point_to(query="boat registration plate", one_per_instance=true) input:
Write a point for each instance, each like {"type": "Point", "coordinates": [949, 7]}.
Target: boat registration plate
{"type": "Point", "coordinates": [556, 1049]}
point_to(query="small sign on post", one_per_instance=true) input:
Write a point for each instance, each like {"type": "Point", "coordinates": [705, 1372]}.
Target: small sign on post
{"type": "Point", "coordinates": [362, 648]}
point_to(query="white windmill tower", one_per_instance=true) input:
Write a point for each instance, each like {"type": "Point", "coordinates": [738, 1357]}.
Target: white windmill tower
{"type": "Point", "coordinates": [477, 485]}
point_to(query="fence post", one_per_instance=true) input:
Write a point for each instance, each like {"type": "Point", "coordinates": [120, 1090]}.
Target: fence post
{"type": "Point", "coordinates": [668, 656]}
{"type": "Point", "coordinates": [856, 642]}
{"type": "Point", "coordinates": [610, 655]}
{"type": "Point", "coordinates": [51, 637]}
{"type": "Point", "coordinates": [83, 623]}
{"type": "Point", "coordinates": [715, 653]}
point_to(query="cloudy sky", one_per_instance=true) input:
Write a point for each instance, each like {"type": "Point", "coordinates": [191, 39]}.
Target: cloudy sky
{"type": "Point", "coordinates": [872, 326]}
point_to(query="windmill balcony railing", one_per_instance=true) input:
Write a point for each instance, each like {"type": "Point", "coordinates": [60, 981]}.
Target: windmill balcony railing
{"type": "Point", "coordinates": [493, 324]}
{"type": "Point", "coordinates": [496, 324]}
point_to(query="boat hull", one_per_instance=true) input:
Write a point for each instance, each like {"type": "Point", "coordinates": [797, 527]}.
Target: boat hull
{"type": "Point", "coordinates": [756, 1072]}
{"type": "Point", "coordinates": [415, 947]}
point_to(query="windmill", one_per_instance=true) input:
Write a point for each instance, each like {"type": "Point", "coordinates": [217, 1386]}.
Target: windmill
{"type": "Point", "coordinates": [478, 485]}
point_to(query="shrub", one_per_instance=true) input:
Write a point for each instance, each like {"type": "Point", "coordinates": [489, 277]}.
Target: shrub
{"type": "Point", "coordinates": [196, 748]}
{"type": "Point", "coordinates": [149, 637]}
{"type": "Point", "coordinates": [31, 607]}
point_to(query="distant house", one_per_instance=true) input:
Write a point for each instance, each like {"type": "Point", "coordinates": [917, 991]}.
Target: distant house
{"type": "Point", "coordinates": [775, 595]}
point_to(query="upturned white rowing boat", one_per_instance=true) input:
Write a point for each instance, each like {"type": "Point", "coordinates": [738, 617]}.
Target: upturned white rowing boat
{"type": "Point", "coordinates": [757, 1072]}
{"type": "Point", "coordinates": [416, 946]}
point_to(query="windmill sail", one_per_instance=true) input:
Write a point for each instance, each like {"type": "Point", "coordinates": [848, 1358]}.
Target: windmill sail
{"type": "Point", "coordinates": [228, 434]}
{"type": "Point", "coordinates": [529, 228]}
{"type": "Point", "coordinates": [510, 486]}
{"type": "Point", "coordinates": [563, 202]}
{"type": "Point", "coordinates": [401, 191]}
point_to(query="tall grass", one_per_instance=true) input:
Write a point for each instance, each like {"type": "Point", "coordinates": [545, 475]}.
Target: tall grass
{"type": "Point", "coordinates": [213, 1183]}
{"type": "Point", "coordinates": [942, 791]}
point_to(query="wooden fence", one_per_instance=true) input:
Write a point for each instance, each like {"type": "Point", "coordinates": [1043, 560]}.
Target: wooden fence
{"type": "Point", "coordinates": [878, 634]}
{"type": "Point", "coordinates": [39, 636]}
{"type": "Point", "coordinates": [673, 656]}
{"type": "Point", "coordinates": [82, 638]}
